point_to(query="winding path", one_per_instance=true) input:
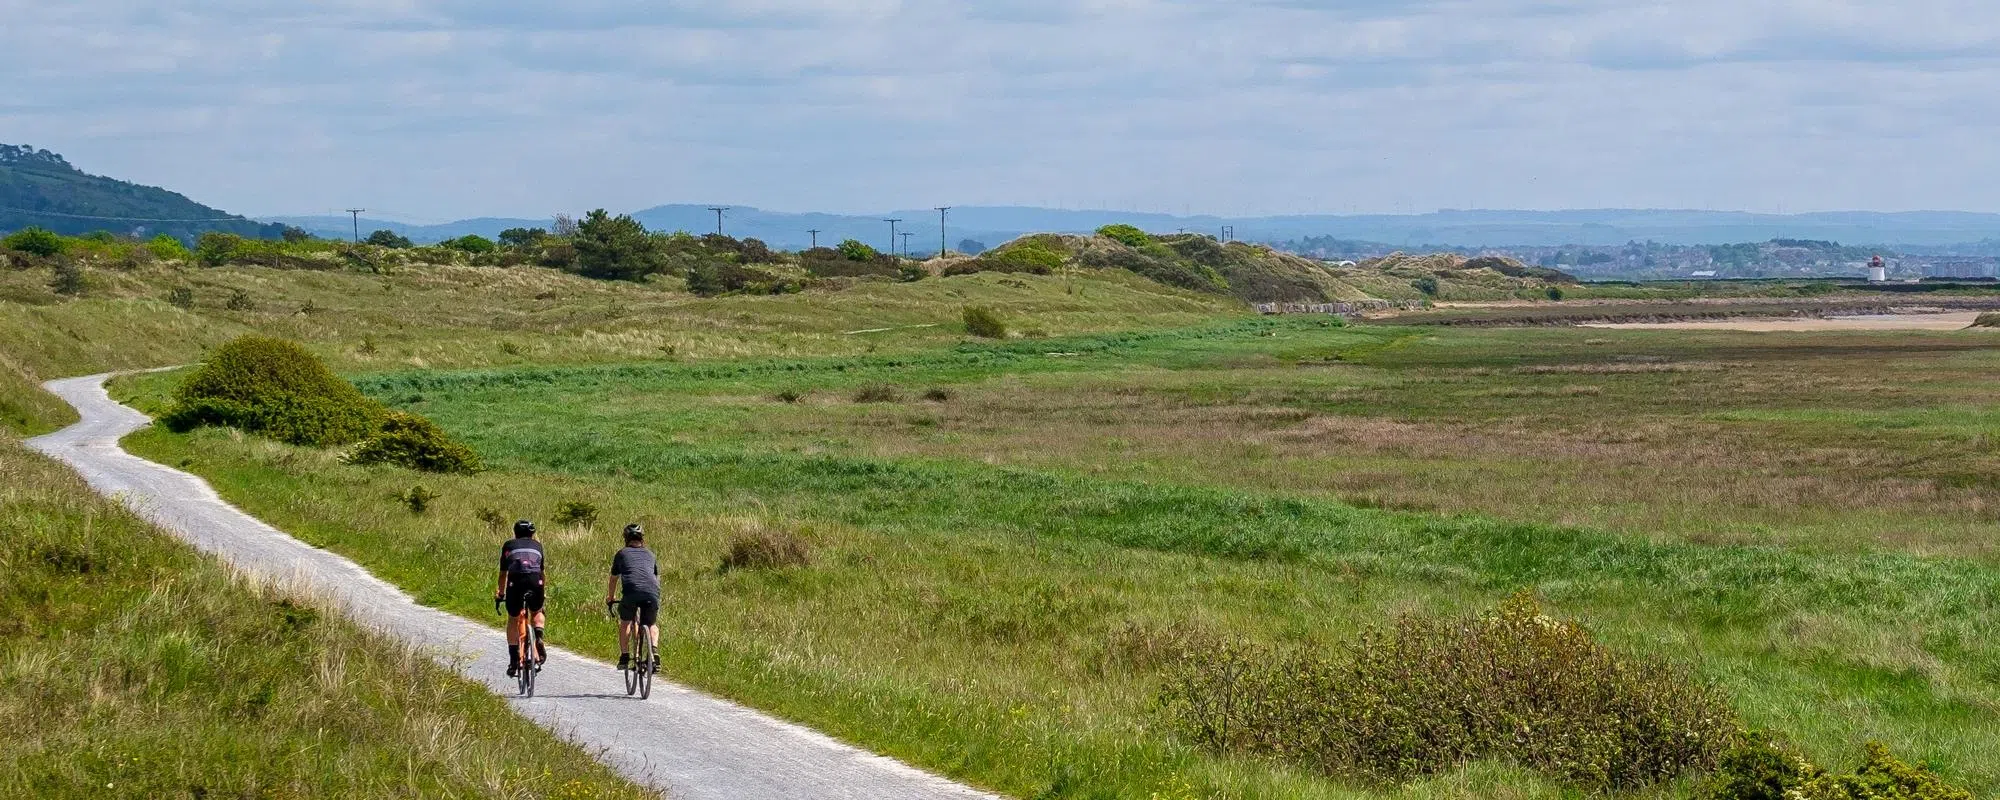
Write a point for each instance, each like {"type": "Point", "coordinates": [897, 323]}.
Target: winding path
{"type": "Point", "coordinates": [687, 744]}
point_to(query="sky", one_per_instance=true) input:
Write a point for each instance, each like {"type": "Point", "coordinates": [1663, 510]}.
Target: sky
{"type": "Point", "coordinates": [430, 110]}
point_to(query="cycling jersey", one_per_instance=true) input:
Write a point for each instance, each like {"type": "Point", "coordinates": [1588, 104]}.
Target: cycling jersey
{"type": "Point", "coordinates": [521, 558]}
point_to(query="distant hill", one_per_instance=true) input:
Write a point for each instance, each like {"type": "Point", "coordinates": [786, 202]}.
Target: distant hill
{"type": "Point", "coordinates": [1941, 231]}
{"type": "Point", "coordinates": [40, 188]}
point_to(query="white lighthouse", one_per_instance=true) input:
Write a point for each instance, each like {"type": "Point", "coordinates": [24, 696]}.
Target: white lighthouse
{"type": "Point", "coordinates": [1878, 272]}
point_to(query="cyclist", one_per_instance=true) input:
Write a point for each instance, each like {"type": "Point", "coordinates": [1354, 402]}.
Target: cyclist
{"type": "Point", "coordinates": [636, 571]}
{"type": "Point", "coordinates": [523, 583]}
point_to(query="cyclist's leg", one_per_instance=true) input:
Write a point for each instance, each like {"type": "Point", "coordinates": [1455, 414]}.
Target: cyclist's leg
{"type": "Point", "coordinates": [541, 636]}
{"type": "Point", "coordinates": [649, 618]}
{"type": "Point", "coordinates": [627, 614]}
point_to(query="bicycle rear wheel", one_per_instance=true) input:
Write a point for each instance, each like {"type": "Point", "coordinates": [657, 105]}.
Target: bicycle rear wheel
{"type": "Point", "coordinates": [632, 675]}
{"type": "Point", "coordinates": [644, 668]}
{"type": "Point", "coordinates": [529, 665]}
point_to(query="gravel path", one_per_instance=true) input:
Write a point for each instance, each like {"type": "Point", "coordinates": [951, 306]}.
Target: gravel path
{"type": "Point", "coordinates": [687, 744]}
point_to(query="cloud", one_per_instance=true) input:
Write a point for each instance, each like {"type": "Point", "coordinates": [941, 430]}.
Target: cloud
{"type": "Point", "coordinates": [446, 108]}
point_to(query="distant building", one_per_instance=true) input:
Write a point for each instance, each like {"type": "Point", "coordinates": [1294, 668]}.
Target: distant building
{"type": "Point", "coordinates": [1706, 273]}
{"type": "Point", "coordinates": [1878, 272]}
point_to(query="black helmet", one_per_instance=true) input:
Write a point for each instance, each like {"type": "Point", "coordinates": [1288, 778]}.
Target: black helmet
{"type": "Point", "coordinates": [634, 533]}
{"type": "Point", "coordinates": [524, 528]}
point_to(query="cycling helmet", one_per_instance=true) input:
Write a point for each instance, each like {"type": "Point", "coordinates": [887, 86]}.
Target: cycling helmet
{"type": "Point", "coordinates": [634, 533]}
{"type": "Point", "coordinates": [524, 528]}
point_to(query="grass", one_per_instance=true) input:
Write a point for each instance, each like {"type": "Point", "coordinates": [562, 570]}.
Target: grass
{"type": "Point", "coordinates": [132, 667]}
{"type": "Point", "coordinates": [446, 316]}
{"type": "Point", "coordinates": [983, 571]}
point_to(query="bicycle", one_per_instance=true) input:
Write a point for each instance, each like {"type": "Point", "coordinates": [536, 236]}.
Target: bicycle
{"type": "Point", "coordinates": [639, 669]}
{"type": "Point", "coordinates": [529, 647]}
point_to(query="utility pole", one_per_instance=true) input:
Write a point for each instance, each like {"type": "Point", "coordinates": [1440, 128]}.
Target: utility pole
{"type": "Point", "coordinates": [942, 249]}
{"type": "Point", "coordinates": [906, 244]}
{"type": "Point", "coordinates": [892, 234]}
{"type": "Point", "coordinates": [356, 214]}
{"type": "Point", "coordinates": [815, 235]}
{"type": "Point", "coordinates": [718, 217]}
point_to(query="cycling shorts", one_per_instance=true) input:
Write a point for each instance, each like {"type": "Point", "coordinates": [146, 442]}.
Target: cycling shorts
{"type": "Point", "coordinates": [524, 592]}
{"type": "Point", "coordinates": [644, 608]}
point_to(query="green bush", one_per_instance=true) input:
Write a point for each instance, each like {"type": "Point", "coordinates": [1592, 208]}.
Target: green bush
{"type": "Point", "coordinates": [1432, 694]}
{"type": "Point", "coordinates": [181, 297]}
{"type": "Point", "coordinates": [1554, 293]}
{"type": "Point", "coordinates": [277, 389]}
{"type": "Point", "coordinates": [390, 239]}
{"type": "Point", "coordinates": [615, 248]}
{"type": "Point", "coordinates": [853, 250]}
{"type": "Point", "coordinates": [1987, 320]}
{"type": "Point", "coordinates": [413, 442]}
{"type": "Point", "coordinates": [239, 300]}
{"type": "Point", "coordinates": [168, 248]}
{"type": "Point", "coordinates": [1127, 235]}
{"type": "Point", "coordinates": [68, 278]}
{"type": "Point", "coordinates": [34, 241]}
{"type": "Point", "coordinates": [714, 278]}
{"type": "Point", "coordinates": [216, 248]}
{"type": "Point", "coordinates": [576, 512]}
{"type": "Point", "coordinates": [1427, 285]}
{"type": "Point", "coordinates": [1029, 257]}
{"type": "Point", "coordinates": [1759, 768]}
{"type": "Point", "coordinates": [877, 393]}
{"type": "Point", "coordinates": [982, 322]}
{"type": "Point", "coordinates": [418, 499]}
{"type": "Point", "coordinates": [471, 243]}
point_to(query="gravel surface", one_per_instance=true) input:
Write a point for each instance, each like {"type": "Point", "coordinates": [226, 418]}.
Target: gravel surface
{"type": "Point", "coordinates": [686, 744]}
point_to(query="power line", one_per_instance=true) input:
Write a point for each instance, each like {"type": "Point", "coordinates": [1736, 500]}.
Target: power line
{"type": "Point", "coordinates": [718, 217]}
{"type": "Point", "coordinates": [356, 214]}
{"type": "Point", "coordinates": [118, 219]}
{"type": "Point", "coordinates": [892, 234]}
{"type": "Point", "coordinates": [815, 235]}
{"type": "Point", "coordinates": [906, 244]}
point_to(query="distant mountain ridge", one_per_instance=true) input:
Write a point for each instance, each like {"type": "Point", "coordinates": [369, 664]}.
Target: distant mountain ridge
{"type": "Point", "coordinates": [41, 188]}
{"type": "Point", "coordinates": [1938, 231]}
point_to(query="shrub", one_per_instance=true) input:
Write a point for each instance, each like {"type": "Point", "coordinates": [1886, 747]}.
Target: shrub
{"type": "Point", "coordinates": [418, 499]}
{"type": "Point", "coordinates": [877, 393]}
{"type": "Point", "coordinates": [1028, 257]}
{"type": "Point", "coordinates": [239, 300]}
{"type": "Point", "coordinates": [390, 239]}
{"type": "Point", "coordinates": [937, 394]}
{"type": "Point", "coordinates": [1431, 694]}
{"type": "Point", "coordinates": [1759, 768]}
{"type": "Point", "coordinates": [34, 241]}
{"type": "Point", "coordinates": [766, 548]}
{"type": "Point", "coordinates": [713, 278]}
{"type": "Point", "coordinates": [1987, 320]}
{"type": "Point", "coordinates": [413, 442]}
{"type": "Point", "coordinates": [216, 248]}
{"type": "Point", "coordinates": [615, 248]}
{"type": "Point", "coordinates": [1126, 234]}
{"type": "Point", "coordinates": [576, 512]}
{"type": "Point", "coordinates": [491, 516]}
{"type": "Point", "coordinates": [471, 243]}
{"type": "Point", "coordinates": [790, 395]}
{"type": "Point", "coordinates": [1427, 285]}
{"type": "Point", "coordinates": [854, 250]}
{"type": "Point", "coordinates": [275, 388]}
{"type": "Point", "coordinates": [982, 322]}
{"type": "Point", "coordinates": [1555, 293]}
{"type": "Point", "coordinates": [522, 237]}
{"type": "Point", "coordinates": [68, 277]}
{"type": "Point", "coordinates": [181, 297]}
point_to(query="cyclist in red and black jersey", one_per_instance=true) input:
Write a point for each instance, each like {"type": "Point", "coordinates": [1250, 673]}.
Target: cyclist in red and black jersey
{"type": "Point", "coordinates": [523, 582]}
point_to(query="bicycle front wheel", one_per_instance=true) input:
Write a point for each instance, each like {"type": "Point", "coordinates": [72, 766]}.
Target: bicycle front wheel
{"type": "Point", "coordinates": [644, 668]}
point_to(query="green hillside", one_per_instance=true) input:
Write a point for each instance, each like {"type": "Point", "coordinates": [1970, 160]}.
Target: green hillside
{"type": "Point", "coordinates": [39, 188]}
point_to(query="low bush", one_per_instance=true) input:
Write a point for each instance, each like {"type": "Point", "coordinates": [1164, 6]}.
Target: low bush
{"type": "Point", "coordinates": [181, 297]}
{"type": "Point", "coordinates": [417, 498]}
{"type": "Point", "coordinates": [274, 388]}
{"type": "Point", "coordinates": [1758, 767]}
{"type": "Point", "coordinates": [239, 300]}
{"type": "Point", "coordinates": [937, 394]}
{"type": "Point", "coordinates": [576, 512]}
{"type": "Point", "coordinates": [982, 322]}
{"type": "Point", "coordinates": [790, 395]}
{"type": "Point", "coordinates": [1554, 293]}
{"type": "Point", "coordinates": [491, 518]}
{"type": "Point", "coordinates": [1431, 694]}
{"type": "Point", "coordinates": [877, 393]}
{"type": "Point", "coordinates": [766, 548]}
{"type": "Point", "coordinates": [34, 241]}
{"type": "Point", "coordinates": [853, 250]}
{"type": "Point", "coordinates": [1427, 285]}
{"type": "Point", "coordinates": [1987, 320]}
{"type": "Point", "coordinates": [413, 442]}
{"type": "Point", "coordinates": [390, 239]}
{"type": "Point", "coordinates": [714, 278]}
{"type": "Point", "coordinates": [471, 243]}
{"type": "Point", "coordinates": [1127, 235]}
{"type": "Point", "coordinates": [68, 278]}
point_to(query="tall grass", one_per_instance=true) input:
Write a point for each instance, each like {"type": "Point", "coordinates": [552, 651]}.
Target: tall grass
{"type": "Point", "coordinates": [130, 667]}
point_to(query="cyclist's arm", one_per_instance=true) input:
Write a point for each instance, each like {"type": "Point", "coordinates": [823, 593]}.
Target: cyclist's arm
{"type": "Point", "coordinates": [501, 590]}
{"type": "Point", "coordinates": [611, 588]}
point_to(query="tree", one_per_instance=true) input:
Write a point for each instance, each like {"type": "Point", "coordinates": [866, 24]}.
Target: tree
{"type": "Point", "coordinates": [215, 248]}
{"type": "Point", "coordinates": [522, 237]}
{"type": "Point", "coordinates": [390, 239]}
{"type": "Point", "coordinates": [853, 250]}
{"type": "Point", "coordinates": [970, 247]}
{"type": "Point", "coordinates": [34, 241]}
{"type": "Point", "coordinates": [615, 248]}
{"type": "Point", "coordinates": [294, 234]}
{"type": "Point", "coordinates": [471, 243]}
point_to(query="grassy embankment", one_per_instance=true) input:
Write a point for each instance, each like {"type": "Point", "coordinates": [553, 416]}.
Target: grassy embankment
{"type": "Point", "coordinates": [992, 571]}
{"type": "Point", "coordinates": [131, 667]}
{"type": "Point", "coordinates": [418, 317]}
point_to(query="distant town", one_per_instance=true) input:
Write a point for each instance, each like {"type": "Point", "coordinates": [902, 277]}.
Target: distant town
{"type": "Point", "coordinates": [1777, 258]}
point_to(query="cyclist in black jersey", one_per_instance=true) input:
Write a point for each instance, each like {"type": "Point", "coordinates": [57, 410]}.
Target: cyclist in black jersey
{"type": "Point", "coordinates": [523, 584]}
{"type": "Point", "coordinates": [637, 572]}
